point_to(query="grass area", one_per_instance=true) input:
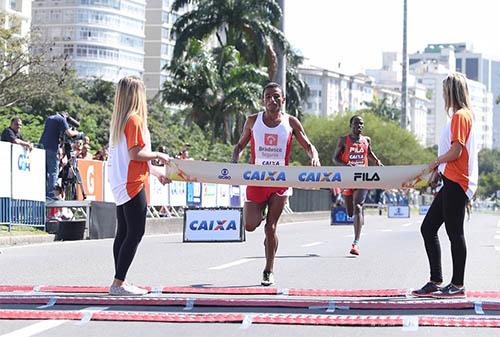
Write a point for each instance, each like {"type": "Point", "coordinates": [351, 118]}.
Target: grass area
{"type": "Point", "coordinates": [20, 230]}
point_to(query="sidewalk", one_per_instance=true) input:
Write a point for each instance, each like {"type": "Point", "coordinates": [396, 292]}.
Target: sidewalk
{"type": "Point", "coordinates": [154, 227]}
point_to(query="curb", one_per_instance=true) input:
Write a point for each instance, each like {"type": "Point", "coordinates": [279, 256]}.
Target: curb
{"type": "Point", "coordinates": [19, 240]}
{"type": "Point", "coordinates": [155, 226]}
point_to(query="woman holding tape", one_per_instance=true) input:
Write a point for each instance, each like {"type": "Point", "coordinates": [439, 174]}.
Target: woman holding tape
{"type": "Point", "coordinates": [129, 167]}
{"type": "Point", "coordinates": [457, 164]}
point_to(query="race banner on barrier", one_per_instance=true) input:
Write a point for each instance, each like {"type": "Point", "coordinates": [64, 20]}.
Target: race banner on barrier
{"type": "Point", "coordinates": [307, 177]}
{"type": "Point", "coordinates": [28, 174]}
{"type": "Point", "coordinates": [398, 211]}
{"type": "Point", "coordinates": [213, 224]}
{"type": "Point", "coordinates": [92, 173]}
{"type": "Point", "coordinates": [158, 193]}
{"type": "Point", "coordinates": [177, 193]}
{"type": "Point", "coordinates": [5, 169]}
{"type": "Point", "coordinates": [209, 195]}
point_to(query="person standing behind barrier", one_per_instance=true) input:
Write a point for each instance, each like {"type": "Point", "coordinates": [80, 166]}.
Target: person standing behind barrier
{"type": "Point", "coordinates": [271, 135]}
{"type": "Point", "coordinates": [55, 126]}
{"type": "Point", "coordinates": [355, 150]}
{"type": "Point", "coordinates": [128, 163]}
{"type": "Point", "coordinates": [457, 163]}
{"type": "Point", "coordinates": [13, 134]}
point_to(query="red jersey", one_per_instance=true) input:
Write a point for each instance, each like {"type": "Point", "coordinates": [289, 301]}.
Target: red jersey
{"type": "Point", "coordinates": [356, 153]}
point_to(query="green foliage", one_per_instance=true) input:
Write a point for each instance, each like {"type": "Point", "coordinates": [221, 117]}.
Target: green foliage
{"type": "Point", "coordinates": [489, 172]}
{"type": "Point", "coordinates": [381, 108]}
{"type": "Point", "coordinates": [217, 88]}
{"type": "Point", "coordinates": [393, 145]}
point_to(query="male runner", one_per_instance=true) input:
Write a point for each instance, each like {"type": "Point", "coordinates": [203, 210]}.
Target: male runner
{"type": "Point", "coordinates": [355, 150]}
{"type": "Point", "coordinates": [270, 133]}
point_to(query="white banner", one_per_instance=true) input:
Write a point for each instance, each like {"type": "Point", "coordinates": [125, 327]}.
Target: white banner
{"type": "Point", "coordinates": [177, 194]}
{"type": "Point", "coordinates": [398, 211]}
{"type": "Point", "coordinates": [158, 193]}
{"type": "Point", "coordinates": [307, 177]}
{"type": "Point", "coordinates": [203, 225]}
{"type": "Point", "coordinates": [5, 169]}
{"type": "Point", "coordinates": [28, 174]}
{"type": "Point", "coordinates": [223, 197]}
{"type": "Point", "coordinates": [209, 195]}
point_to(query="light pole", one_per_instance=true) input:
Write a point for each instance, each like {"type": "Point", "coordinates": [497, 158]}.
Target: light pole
{"type": "Point", "coordinates": [404, 87]}
{"type": "Point", "coordinates": [280, 76]}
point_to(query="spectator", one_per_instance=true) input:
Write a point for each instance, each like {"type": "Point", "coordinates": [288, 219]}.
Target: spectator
{"type": "Point", "coordinates": [184, 153]}
{"type": "Point", "coordinates": [13, 133]}
{"type": "Point", "coordinates": [85, 154]}
{"type": "Point", "coordinates": [55, 126]}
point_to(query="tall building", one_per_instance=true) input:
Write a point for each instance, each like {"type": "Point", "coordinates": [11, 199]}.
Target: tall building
{"type": "Point", "coordinates": [332, 92]}
{"type": "Point", "coordinates": [159, 45]}
{"type": "Point", "coordinates": [388, 86]}
{"type": "Point", "coordinates": [100, 38]}
{"type": "Point", "coordinates": [17, 9]}
{"type": "Point", "coordinates": [477, 67]}
{"type": "Point", "coordinates": [431, 75]}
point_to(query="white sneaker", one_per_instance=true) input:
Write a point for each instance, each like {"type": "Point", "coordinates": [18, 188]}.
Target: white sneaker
{"type": "Point", "coordinates": [267, 278]}
{"type": "Point", "coordinates": [127, 290]}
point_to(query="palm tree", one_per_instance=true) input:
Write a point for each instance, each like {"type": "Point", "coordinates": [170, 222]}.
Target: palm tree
{"type": "Point", "coordinates": [297, 89]}
{"type": "Point", "coordinates": [217, 88]}
{"type": "Point", "coordinates": [248, 25]}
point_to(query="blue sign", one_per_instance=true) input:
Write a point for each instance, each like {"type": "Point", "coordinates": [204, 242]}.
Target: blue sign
{"type": "Point", "coordinates": [340, 217]}
{"type": "Point", "coordinates": [235, 196]}
{"type": "Point", "coordinates": [193, 194]}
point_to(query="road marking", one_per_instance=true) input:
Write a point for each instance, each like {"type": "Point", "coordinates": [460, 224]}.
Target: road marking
{"type": "Point", "coordinates": [313, 244]}
{"type": "Point", "coordinates": [230, 264]}
{"type": "Point", "coordinates": [40, 327]}
{"type": "Point", "coordinates": [497, 237]}
{"type": "Point", "coordinates": [384, 230]}
{"type": "Point", "coordinates": [407, 224]}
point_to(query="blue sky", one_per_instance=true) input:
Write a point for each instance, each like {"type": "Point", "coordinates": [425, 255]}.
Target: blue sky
{"type": "Point", "coordinates": [355, 32]}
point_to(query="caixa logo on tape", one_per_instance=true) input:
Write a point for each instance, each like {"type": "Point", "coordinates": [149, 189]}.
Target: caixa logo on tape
{"type": "Point", "coordinates": [224, 174]}
{"type": "Point", "coordinates": [212, 225]}
{"type": "Point", "coordinates": [320, 176]}
{"type": "Point", "coordinates": [265, 175]}
{"type": "Point", "coordinates": [365, 176]}
{"type": "Point", "coordinates": [23, 162]}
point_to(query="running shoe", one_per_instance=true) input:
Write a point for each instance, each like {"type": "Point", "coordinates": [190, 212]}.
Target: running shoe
{"type": "Point", "coordinates": [427, 290]}
{"type": "Point", "coordinates": [450, 291]}
{"type": "Point", "coordinates": [354, 249]}
{"type": "Point", "coordinates": [127, 290]}
{"type": "Point", "coordinates": [267, 278]}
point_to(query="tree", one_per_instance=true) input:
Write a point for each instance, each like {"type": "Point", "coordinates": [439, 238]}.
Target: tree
{"type": "Point", "coordinates": [489, 172]}
{"type": "Point", "coordinates": [393, 145]}
{"type": "Point", "coordinates": [248, 25]}
{"type": "Point", "coordinates": [381, 108]}
{"type": "Point", "coordinates": [297, 89]}
{"type": "Point", "coordinates": [217, 88]}
{"type": "Point", "coordinates": [26, 69]}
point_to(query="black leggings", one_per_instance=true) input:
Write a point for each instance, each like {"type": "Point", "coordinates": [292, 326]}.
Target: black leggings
{"type": "Point", "coordinates": [448, 207]}
{"type": "Point", "coordinates": [131, 218]}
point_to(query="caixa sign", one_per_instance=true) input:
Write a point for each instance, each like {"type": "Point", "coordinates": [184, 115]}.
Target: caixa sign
{"type": "Point", "coordinates": [213, 225]}
{"type": "Point", "coordinates": [23, 162]}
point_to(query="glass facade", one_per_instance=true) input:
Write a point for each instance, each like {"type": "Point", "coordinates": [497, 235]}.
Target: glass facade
{"type": "Point", "coordinates": [101, 38]}
{"type": "Point", "coordinates": [472, 68]}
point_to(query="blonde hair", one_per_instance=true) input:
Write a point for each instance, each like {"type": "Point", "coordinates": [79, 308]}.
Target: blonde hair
{"type": "Point", "coordinates": [456, 92]}
{"type": "Point", "coordinates": [130, 98]}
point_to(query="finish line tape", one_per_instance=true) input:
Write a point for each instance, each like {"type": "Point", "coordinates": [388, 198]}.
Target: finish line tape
{"type": "Point", "coordinates": [489, 294]}
{"type": "Point", "coordinates": [295, 319]}
{"type": "Point", "coordinates": [49, 304]}
{"type": "Point", "coordinates": [384, 177]}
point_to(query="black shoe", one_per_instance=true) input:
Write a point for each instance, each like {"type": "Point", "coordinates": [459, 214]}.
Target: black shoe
{"type": "Point", "coordinates": [427, 290]}
{"type": "Point", "coordinates": [450, 291]}
{"type": "Point", "coordinates": [267, 278]}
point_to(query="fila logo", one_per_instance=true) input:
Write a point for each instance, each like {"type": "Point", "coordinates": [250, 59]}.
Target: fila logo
{"type": "Point", "coordinates": [365, 176]}
{"type": "Point", "coordinates": [270, 139]}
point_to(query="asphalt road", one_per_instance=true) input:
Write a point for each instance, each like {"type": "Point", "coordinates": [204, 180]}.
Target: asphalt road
{"type": "Point", "coordinates": [312, 255]}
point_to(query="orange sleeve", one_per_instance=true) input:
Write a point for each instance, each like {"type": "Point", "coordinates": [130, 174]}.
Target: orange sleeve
{"type": "Point", "coordinates": [460, 128]}
{"type": "Point", "coordinates": [133, 132]}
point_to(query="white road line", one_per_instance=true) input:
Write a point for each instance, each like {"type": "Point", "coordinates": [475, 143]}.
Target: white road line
{"type": "Point", "coordinates": [384, 230]}
{"type": "Point", "coordinates": [40, 327]}
{"type": "Point", "coordinates": [497, 237]}
{"type": "Point", "coordinates": [230, 264]}
{"type": "Point", "coordinates": [312, 244]}
{"type": "Point", "coordinates": [407, 224]}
